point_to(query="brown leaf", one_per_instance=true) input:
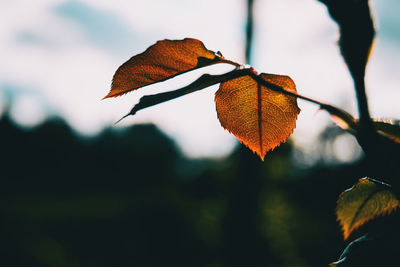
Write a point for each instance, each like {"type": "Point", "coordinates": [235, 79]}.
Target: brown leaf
{"type": "Point", "coordinates": [160, 62]}
{"type": "Point", "coordinates": [363, 202]}
{"type": "Point", "coordinates": [259, 117]}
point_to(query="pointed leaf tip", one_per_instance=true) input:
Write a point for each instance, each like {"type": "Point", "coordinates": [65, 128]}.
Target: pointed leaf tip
{"type": "Point", "coordinates": [363, 202]}
{"type": "Point", "coordinates": [162, 61]}
{"type": "Point", "coordinates": [259, 117]}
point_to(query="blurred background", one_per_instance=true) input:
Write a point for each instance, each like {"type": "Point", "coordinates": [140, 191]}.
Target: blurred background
{"type": "Point", "coordinates": [170, 187]}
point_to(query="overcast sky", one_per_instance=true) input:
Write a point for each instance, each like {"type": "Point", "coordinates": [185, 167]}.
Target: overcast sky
{"type": "Point", "coordinates": [58, 58]}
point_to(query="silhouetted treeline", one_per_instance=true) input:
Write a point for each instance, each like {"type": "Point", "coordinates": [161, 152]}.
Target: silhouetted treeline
{"type": "Point", "coordinates": [130, 198]}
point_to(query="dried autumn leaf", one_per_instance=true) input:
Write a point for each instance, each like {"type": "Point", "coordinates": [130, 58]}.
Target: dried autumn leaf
{"type": "Point", "coordinates": [160, 62]}
{"type": "Point", "coordinates": [259, 117]}
{"type": "Point", "coordinates": [363, 202]}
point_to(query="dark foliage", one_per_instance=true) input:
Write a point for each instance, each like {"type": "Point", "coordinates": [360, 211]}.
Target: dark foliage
{"type": "Point", "coordinates": [129, 198]}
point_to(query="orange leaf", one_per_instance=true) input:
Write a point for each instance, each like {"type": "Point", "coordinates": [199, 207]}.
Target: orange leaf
{"type": "Point", "coordinates": [162, 61]}
{"type": "Point", "coordinates": [259, 117]}
{"type": "Point", "coordinates": [363, 202]}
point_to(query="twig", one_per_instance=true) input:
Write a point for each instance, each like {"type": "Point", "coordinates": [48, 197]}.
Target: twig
{"type": "Point", "coordinates": [207, 80]}
{"type": "Point", "coordinates": [202, 82]}
{"type": "Point", "coordinates": [249, 30]}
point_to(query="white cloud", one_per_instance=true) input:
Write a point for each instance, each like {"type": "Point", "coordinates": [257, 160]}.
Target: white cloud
{"type": "Point", "coordinates": [294, 37]}
{"type": "Point", "coordinates": [74, 74]}
{"type": "Point", "coordinates": [27, 111]}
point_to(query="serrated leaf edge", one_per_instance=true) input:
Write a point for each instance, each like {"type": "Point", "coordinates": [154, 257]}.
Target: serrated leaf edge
{"type": "Point", "coordinates": [347, 233]}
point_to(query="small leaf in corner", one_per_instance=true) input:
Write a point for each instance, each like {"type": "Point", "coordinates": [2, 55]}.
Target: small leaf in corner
{"type": "Point", "coordinates": [259, 117]}
{"type": "Point", "coordinates": [363, 202]}
{"type": "Point", "coordinates": [162, 61]}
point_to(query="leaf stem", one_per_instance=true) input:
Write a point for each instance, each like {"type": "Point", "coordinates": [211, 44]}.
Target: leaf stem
{"type": "Point", "coordinates": [366, 132]}
{"type": "Point", "coordinates": [249, 30]}
{"type": "Point", "coordinates": [207, 80]}
{"type": "Point", "coordinates": [345, 116]}
{"type": "Point", "coordinates": [362, 101]}
{"type": "Point", "coordinates": [202, 82]}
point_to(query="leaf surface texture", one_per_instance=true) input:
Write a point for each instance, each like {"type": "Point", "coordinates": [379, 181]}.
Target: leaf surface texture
{"type": "Point", "coordinates": [363, 202]}
{"type": "Point", "coordinates": [162, 61]}
{"type": "Point", "coordinates": [259, 117]}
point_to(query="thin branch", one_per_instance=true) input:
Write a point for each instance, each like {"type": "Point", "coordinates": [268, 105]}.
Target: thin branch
{"type": "Point", "coordinates": [249, 30]}
{"type": "Point", "coordinates": [362, 103]}
{"type": "Point", "coordinates": [345, 116]}
{"type": "Point", "coordinates": [357, 33]}
{"type": "Point", "coordinates": [202, 82]}
{"type": "Point", "coordinates": [207, 80]}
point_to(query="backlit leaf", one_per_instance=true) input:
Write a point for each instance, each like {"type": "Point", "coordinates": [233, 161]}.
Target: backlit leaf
{"type": "Point", "coordinates": [162, 61]}
{"type": "Point", "coordinates": [363, 202]}
{"type": "Point", "coordinates": [259, 117]}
